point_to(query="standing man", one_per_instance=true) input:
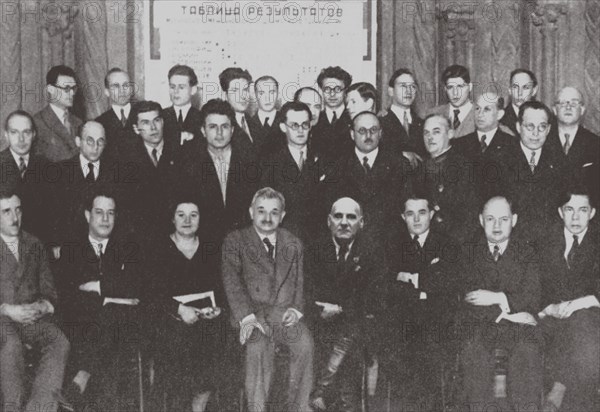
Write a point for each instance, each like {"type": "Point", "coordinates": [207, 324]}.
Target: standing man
{"type": "Point", "coordinates": [523, 88]}
{"type": "Point", "coordinates": [262, 270]}
{"type": "Point", "coordinates": [402, 126]}
{"type": "Point", "coordinates": [56, 126]}
{"type": "Point", "coordinates": [182, 120]}
{"type": "Point", "coordinates": [27, 305]}
{"type": "Point", "coordinates": [264, 124]}
{"type": "Point", "coordinates": [459, 109]}
{"type": "Point", "coordinates": [235, 84]}
{"type": "Point", "coordinates": [117, 121]}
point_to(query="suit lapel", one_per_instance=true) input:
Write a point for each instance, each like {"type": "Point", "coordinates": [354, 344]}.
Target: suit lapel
{"type": "Point", "coordinates": [58, 127]}
{"type": "Point", "coordinates": [283, 259]}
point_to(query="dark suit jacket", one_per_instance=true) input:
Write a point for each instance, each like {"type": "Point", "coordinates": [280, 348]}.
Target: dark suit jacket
{"type": "Point", "coordinates": [395, 137]}
{"type": "Point", "coordinates": [191, 124]}
{"type": "Point", "coordinates": [266, 139]}
{"type": "Point", "coordinates": [53, 141]}
{"type": "Point", "coordinates": [199, 177]}
{"type": "Point", "coordinates": [34, 190]}
{"type": "Point", "coordinates": [256, 283]}
{"type": "Point", "coordinates": [561, 282]}
{"type": "Point", "coordinates": [510, 119]}
{"type": "Point", "coordinates": [117, 135]}
{"type": "Point", "coordinates": [28, 279]}
{"type": "Point", "coordinates": [280, 171]}
{"type": "Point", "coordinates": [585, 149]}
{"type": "Point", "coordinates": [241, 138]}
{"type": "Point", "coordinates": [466, 127]}
{"type": "Point", "coordinates": [331, 141]}
{"type": "Point", "coordinates": [516, 273]}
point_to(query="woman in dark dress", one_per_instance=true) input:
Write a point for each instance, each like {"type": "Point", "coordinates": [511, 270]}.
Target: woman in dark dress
{"type": "Point", "coordinates": [187, 338]}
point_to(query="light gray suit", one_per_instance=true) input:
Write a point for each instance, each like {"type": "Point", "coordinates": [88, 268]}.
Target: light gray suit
{"type": "Point", "coordinates": [21, 282]}
{"type": "Point", "coordinates": [257, 284]}
{"type": "Point", "coordinates": [466, 127]}
{"type": "Point", "coordinates": [53, 140]}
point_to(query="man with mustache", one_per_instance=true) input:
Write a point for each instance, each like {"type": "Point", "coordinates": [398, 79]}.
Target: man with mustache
{"type": "Point", "coordinates": [262, 269]}
{"type": "Point", "coordinates": [27, 305]}
{"type": "Point", "coordinates": [344, 273]}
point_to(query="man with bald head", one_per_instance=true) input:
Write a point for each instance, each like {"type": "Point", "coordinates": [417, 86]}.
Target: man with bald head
{"type": "Point", "coordinates": [501, 291]}
{"type": "Point", "coordinates": [573, 142]}
{"type": "Point", "coordinates": [344, 272]}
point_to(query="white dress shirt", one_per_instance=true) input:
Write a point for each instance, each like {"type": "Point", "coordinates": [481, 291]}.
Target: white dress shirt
{"type": "Point", "coordinates": [337, 249]}
{"type": "Point", "coordinates": [184, 111]}
{"type": "Point", "coordinates": [488, 136]}
{"type": "Point", "coordinates": [569, 240]}
{"type": "Point", "coordinates": [159, 150]}
{"type": "Point", "coordinates": [463, 111]}
{"type": "Point", "coordinates": [399, 112]}
{"type": "Point", "coordinates": [262, 115]}
{"type": "Point", "coordinates": [527, 153]}
{"type": "Point", "coordinates": [60, 113]}
{"type": "Point", "coordinates": [17, 157]}
{"type": "Point", "coordinates": [221, 161]}
{"type": "Point", "coordinates": [371, 156]}
{"type": "Point", "coordinates": [295, 152]}
{"type": "Point", "coordinates": [571, 130]}
{"type": "Point", "coordinates": [85, 167]}
{"type": "Point", "coordinates": [12, 244]}
{"type": "Point", "coordinates": [126, 109]}
{"type": "Point", "coordinates": [95, 244]}
{"type": "Point", "coordinates": [338, 112]}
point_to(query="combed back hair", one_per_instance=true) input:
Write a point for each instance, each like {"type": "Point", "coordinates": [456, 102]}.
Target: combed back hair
{"type": "Point", "coordinates": [303, 89]}
{"type": "Point", "coordinates": [441, 116]}
{"type": "Point", "coordinates": [535, 105]}
{"type": "Point", "coordinates": [527, 72]}
{"type": "Point", "coordinates": [183, 70]}
{"type": "Point", "coordinates": [512, 203]}
{"type": "Point", "coordinates": [263, 79]}
{"type": "Point", "coordinates": [232, 73]}
{"type": "Point", "coordinates": [217, 106]}
{"type": "Point", "coordinates": [363, 113]}
{"type": "Point", "coordinates": [456, 70]}
{"type": "Point", "coordinates": [582, 97]}
{"type": "Point", "coordinates": [334, 73]}
{"type": "Point", "coordinates": [8, 191]}
{"type": "Point", "coordinates": [399, 73]}
{"type": "Point", "coordinates": [367, 91]}
{"type": "Point", "coordinates": [295, 107]}
{"type": "Point", "coordinates": [417, 193]}
{"type": "Point", "coordinates": [575, 188]}
{"type": "Point", "coordinates": [111, 71]}
{"type": "Point", "coordinates": [22, 113]}
{"type": "Point", "coordinates": [54, 72]}
{"type": "Point", "coordinates": [268, 193]}
{"type": "Point", "coordinates": [100, 190]}
{"type": "Point", "coordinates": [360, 209]}
{"type": "Point", "coordinates": [146, 106]}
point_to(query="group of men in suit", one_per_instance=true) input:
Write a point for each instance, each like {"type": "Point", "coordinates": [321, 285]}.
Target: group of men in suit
{"type": "Point", "coordinates": [414, 220]}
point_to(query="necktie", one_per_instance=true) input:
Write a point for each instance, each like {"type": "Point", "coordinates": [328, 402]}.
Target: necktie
{"type": "Point", "coordinates": [301, 160]}
{"type": "Point", "coordinates": [573, 251]}
{"type": "Point", "coordinates": [456, 121]}
{"type": "Point", "coordinates": [123, 118]}
{"type": "Point", "coordinates": [270, 247]}
{"type": "Point", "coordinates": [567, 144]}
{"type": "Point", "coordinates": [342, 253]}
{"type": "Point", "coordinates": [245, 128]}
{"type": "Point", "coordinates": [222, 169]}
{"type": "Point", "coordinates": [67, 122]}
{"type": "Point", "coordinates": [366, 164]}
{"type": "Point", "coordinates": [266, 123]}
{"type": "Point", "coordinates": [532, 161]}
{"type": "Point", "coordinates": [406, 123]}
{"type": "Point", "coordinates": [100, 256]}
{"type": "Point", "coordinates": [180, 118]}
{"type": "Point", "coordinates": [90, 178]}
{"type": "Point", "coordinates": [334, 118]}
{"type": "Point", "coordinates": [417, 247]}
{"type": "Point", "coordinates": [483, 143]}
{"type": "Point", "coordinates": [496, 253]}
{"type": "Point", "coordinates": [155, 157]}
{"type": "Point", "coordinates": [22, 167]}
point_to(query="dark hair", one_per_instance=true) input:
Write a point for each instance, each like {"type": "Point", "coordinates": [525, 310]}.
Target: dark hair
{"type": "Point", "coordinates": [111, 71]}
{"type": "Point", "coordinates": [417, 193]}
{"type": "Point", "coordinates": [527, 72]}
{"type": "Point", "coordinates": [334, 73]}
{"type": "Point", "coordinates": [8, 191]}
{"type": "Point", "coordinates": [296, 107]}
{"type": "Point", "coordinates": [456, 70]}
{"type": "Point", "coordinates": [232, 73]}
{"type": "Point", "coordinates": [266, 78]}
{"type": "Point", "coordinates": [20, 113]}
{"type": "Point", "coordinates": [100, 190]}
{"type": "Point", "coordinates": [575, 188]}
{"type": "Point", "coordinates": [366, 91]}
{"type": "Point", "coordinates": [303, 89]}
{"type": "Point", "coordinates": [399, 73]}
{"type": "Point", "coordinates": [512, 203]}
{"type": "Point", "coordinates": [145, 106]}
{"type": "Point", "coordinates": [54, 72]}
{"type": "Point", "coordinates": [535, 105]}
{"type": "Point", "coordinates": [217, 106]}
{"type": "Point", "coordinates": [442, 116]}
{"type": "Point", "coordinates": [183, 70]}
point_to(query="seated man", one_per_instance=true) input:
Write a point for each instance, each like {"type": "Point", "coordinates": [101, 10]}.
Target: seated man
{"type": "Point", "coordinates": [571, 319]}
{"type": "Point", "coordinates": [100, 271]}
{"type": "Point", "coordinates": [344, 270]}
{"type": "Point", "coordinates": [263, 276]}
{"type": "Point", "coordinates": [502, 290]}
{"type": "Point", "coordinates": [27, 300]}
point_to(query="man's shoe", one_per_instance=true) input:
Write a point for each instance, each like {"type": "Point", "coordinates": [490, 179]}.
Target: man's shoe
{"type": "Point", "coordinates": [69, 397]}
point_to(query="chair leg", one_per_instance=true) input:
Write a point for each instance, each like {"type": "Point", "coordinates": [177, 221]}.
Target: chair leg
{"type": "Point", "coordinates": [140, 380]}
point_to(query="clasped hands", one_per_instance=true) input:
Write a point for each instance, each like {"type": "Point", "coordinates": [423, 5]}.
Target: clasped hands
{"type": "Point", "coordinates": [247, 325]}
{"type": "Point", "coordinates": [27, 313]}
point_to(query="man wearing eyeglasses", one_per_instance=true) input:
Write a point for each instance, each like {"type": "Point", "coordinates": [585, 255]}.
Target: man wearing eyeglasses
{"type": "Point", "coordinates": [117, 119]}
{"type": "Point", "coordinates": [534, 174]}
{"type": "Point", "coordinates": [292, 169]}
{"type": "Point", "coordinates": [333, 126]}
{"type": "Point", "coordinates": [578, 146]}
{"type": "Point", "coordinates": [523, 88]}
{"type": "Point", "coordinates": [375, 178]}
{"type": "Point", "coordinates": [55, 124]}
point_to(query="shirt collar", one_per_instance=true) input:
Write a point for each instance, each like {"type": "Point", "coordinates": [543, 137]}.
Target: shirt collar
{"type": "Point", "coordinates": [10, 240]}
{"type": "Point", "coordinates": [60, 113]}
{"type": "Point", "coordinates": [83, 162]}
{"type": "Point", "coordinates": [184, 110]}
{"type": "Point", "coordinates": [527, 152]}
{"type": "Point", "coordinates": [95, 244]}
{"type": "Point", "coordinates": [159, 149]}
{"type": "Point", "coordinates": [399, 112]}
{"type": "Point", "coordinates": [337, 246]}
{"type": "Point", "coordinates": [295, 152]}
{"type": "Point", "coordinates": [370, 156]}
{"type": "Point", "coordinates": [338, 111]}
{"type": "Point", "coordinates": [464, 110]}
{"type": "Point", "coordinates": [238, 118]}
{"type": "Point", "coordinates": [272, 237]}
{"type": "Point", "coordinates": [126, 109]}
{"type": "Point", "coordinates": [569, 236]}
{"type": "Point", "coordinates": [515, 109]}
{"type": "Point", "coordinates": [16, 157]}
{"type": "Point", "coordinates": [488, 135]}
{"type": "Point", "coordinates": [502, 246]}
{"type": "Point", "coordinates": [572, 130]}
{"type": "Point", "coordinates": [262, 115]}
{"type": "Point", "coordinates": [225, 154]}
{"type": "Point", "coordinates": [422, 237]}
